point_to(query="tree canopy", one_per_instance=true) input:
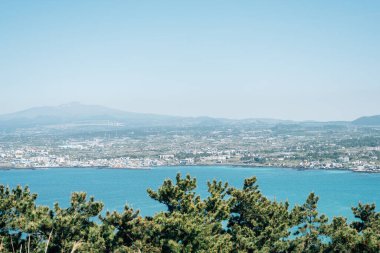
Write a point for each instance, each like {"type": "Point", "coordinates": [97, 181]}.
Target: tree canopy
{"type": "Point", "coordinates": [229, 219]}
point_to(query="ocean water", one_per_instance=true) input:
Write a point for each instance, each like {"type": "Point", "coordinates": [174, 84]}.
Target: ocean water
{"type": "Point", "coordinates": [338, 190]}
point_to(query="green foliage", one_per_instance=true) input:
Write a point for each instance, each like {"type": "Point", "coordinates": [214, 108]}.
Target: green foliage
{"type": "Point", "coordinates": [227, 220]}
{"type": "Point", "coordinates": [343, 237]}
{"type": "Point", "coordinates": [179, 196]}
{"type": "Point", "coordinates": [310, 226]}
{"type": "Point", "coordinates": [76, 224]}
{"type": "Point", "coordinates": [366, 216]}
{"type": "Point", "coordinates": [256, 223]}
{"type": "Point", "coordinates": [191, 224]}
{"type": "Point", "coordinates": [21, 222]}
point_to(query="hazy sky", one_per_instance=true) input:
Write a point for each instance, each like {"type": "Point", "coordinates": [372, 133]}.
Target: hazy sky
{"type": "Point", "coordinates": [277, 59]}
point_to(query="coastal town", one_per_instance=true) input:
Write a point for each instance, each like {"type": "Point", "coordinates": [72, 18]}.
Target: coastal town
{"type": "Point", "coordinates": [289, 146]}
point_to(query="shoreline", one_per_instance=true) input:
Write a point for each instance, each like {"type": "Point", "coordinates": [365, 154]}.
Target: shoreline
{"type": "Point", "coordinates": [193, 165]}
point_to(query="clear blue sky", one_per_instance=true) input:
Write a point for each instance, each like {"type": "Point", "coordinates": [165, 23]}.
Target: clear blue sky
{"type": "Point", "coordinates": [297, 60]}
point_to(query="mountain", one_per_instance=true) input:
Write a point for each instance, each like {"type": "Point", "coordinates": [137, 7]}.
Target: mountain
{"type": "Point", "coordinates": [66, 111]}
{"type": "Point", "coordinates": [76, 113]}
{"type": "Point", "coordinates": [80, 115]}
{"type": "Point", "coordinates": [368, 121]}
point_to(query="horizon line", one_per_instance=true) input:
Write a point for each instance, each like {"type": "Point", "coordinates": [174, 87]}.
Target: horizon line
{"type": "Point", "coordinates": [182, 116]}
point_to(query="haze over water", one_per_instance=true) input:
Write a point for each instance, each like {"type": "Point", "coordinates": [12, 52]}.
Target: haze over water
{"type": "Point", "coordinates": [338, 190]}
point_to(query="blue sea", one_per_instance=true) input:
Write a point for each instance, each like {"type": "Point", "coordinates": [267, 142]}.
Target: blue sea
{"type": "Point", "coordinates": [338, 190]}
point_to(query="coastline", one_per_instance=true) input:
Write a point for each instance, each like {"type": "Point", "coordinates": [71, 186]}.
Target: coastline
{"type": "Point", "coordinates": [299, 168]}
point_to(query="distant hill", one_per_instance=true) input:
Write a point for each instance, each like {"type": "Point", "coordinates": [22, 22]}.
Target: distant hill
{"type": "Point", "coordinates": [368, 121]}
{"type": "Point", "coordinates": [79, 115]}
{"type": "Point", "coordinates": [66, 112]}
{"type": "Point", "coordinates": [76, 113]}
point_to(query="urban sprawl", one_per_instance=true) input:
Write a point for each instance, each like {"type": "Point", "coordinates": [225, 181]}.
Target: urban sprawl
{"type": "Point", "coordinates": [303, 146]}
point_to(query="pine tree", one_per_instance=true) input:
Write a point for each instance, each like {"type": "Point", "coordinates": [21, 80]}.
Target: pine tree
{"type": "Point", "coordinates": [256, 223]}
{"type": "Point", "coordinates": [310, 226]}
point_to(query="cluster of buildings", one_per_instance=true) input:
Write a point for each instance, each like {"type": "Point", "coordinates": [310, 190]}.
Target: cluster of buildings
{"type": "Point", "coordinates": [321, 148]}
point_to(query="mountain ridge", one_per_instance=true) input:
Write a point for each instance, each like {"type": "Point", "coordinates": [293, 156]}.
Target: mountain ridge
{"type": "Point", "coordinates": [368, 121]}
{"type": "Point", "coordinates": [76, 112]}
